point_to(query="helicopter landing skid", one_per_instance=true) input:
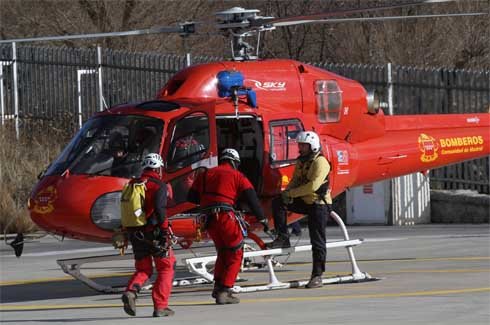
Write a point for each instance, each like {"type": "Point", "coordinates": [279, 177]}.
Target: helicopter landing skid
{"type": "Point", "coordinates": [198, 265]}
{"type": "Point", "coordinates": [72, 267]}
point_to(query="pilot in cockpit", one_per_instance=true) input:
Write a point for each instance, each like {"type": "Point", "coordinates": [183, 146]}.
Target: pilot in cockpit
{"type": "Point", "coordinates": [118, 150]}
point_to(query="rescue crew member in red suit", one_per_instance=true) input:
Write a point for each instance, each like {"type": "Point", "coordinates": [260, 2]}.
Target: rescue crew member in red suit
{"type": "Point", "coordinates": [217, 190]}
{"type": "Point", "coordinates": [143, 242]}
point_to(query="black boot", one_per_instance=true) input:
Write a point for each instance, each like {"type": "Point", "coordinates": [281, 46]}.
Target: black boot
{"type": "Point", "coordinates": [315, 282]}
{"type": "Point", "coordinates": [129, 300]}
{"type": "Point", "coordinates": [281, 241]}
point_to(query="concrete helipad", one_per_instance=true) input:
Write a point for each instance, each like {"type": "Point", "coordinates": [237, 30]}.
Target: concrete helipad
{"type": "Point", "coordinates": [433, 274]}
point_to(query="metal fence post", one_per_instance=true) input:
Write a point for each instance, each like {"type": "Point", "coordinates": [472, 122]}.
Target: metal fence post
{"type": "Point", "coordinates": [390, 88]}
{"type": "Point", "coordinates": [16, 90]}
{"type": "Point", "coordinates": [80, 73]}
{"type": "Point", "coordinates": [99, 72]}
{"type": "Point", "coordinates": [2, 95]}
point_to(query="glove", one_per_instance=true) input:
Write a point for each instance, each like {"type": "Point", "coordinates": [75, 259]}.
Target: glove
{"type": "Point", "coordinates": [120, 241]}
{"type": "Point", "coordinates": [285, 197]}
{"type": "Point", "coordinates": [162, 242]}
{"type": "Point", "coordinates": [157, 233]}
{"type": "Point", "coordinates": [265, 224]}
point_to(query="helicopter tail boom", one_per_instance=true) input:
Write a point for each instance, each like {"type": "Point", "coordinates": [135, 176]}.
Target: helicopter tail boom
{"type": "Point", "coordinates": [420, 143]}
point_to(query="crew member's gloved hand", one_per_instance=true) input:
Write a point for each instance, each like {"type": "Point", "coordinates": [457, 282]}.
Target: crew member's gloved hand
{"type": "Point", "coordinates": [157, 233]}
{"type": "Point", "coordinates": [265, 224]}
{"type": "Point", "coordinates": [120, 241]}
{"type": "Point", "coordinates": [285, 197]}
{"type": "Point", "coordinates": [162, 242]}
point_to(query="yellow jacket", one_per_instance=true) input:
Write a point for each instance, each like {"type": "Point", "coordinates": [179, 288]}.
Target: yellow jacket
{"type": "Point", "coordinates": [307, 178]}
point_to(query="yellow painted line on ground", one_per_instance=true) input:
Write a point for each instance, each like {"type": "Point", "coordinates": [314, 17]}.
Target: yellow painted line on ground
{"type": "Point", "coordinates": [6, 308]}
{"type": "Point", "coordinates": [41, 280]}
{"type": "Point", "coordinates": [376, 295]}
{"type": "Point", "coordinates": [55, 307]}
{"type": "Point", "coordinates": [441, 271]}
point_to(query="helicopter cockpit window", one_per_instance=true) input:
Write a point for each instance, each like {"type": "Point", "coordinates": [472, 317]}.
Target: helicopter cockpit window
{"type": "Point", "coordinates": [283, 145]}
{"type": "Point", "coordinates": [328, 100]}
{"type": "Point", "coordinates": [110, 146]}
{"type": "Point", "coordinates": [190, 141]}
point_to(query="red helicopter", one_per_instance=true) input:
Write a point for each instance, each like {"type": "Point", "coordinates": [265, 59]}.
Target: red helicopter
{"type": "Point", "coordinates": [255, 106]}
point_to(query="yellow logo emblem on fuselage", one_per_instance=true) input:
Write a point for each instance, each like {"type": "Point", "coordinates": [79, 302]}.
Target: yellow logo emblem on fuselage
{"type": "Point", "coordinates": [43, 202]}
{"type": "Point", "coordinates": [428, 146]}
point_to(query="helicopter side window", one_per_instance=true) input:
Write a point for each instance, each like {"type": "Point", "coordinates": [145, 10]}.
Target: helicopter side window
{"type": "Point", "coordinates": [190, 141]}
{"type": "Point", "coordinates": [328, 100]}
{"type": "Point", "coordinates": [283, 144]}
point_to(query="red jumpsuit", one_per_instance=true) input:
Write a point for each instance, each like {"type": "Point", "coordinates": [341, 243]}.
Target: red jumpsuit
{"type": "Point", "coordinates": [223, 185]}
{"type": "Point", "coordinates": [155, 201]}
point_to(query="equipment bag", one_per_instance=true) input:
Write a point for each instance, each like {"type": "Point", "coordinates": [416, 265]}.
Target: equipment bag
{"type": "Point", "coordinates": [132, 205]}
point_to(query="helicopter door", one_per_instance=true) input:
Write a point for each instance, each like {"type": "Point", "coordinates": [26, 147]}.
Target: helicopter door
{"type": "Point", "coordinates": [190, 148]}
{"type": "Point", "coordinates": [282, 148]}
{"type": "Point", "coordinates": [246, 136]}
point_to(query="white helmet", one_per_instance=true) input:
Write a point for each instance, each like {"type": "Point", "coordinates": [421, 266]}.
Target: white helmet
{"type": "Point", "coordinates": [152, 160]}
{"type": "Point", "coordinates": [230, 154]}
{"type": "Point", "coordinates": [311, 138]}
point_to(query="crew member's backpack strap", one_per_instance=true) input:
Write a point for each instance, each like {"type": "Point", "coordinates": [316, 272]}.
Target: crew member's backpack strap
{"type": "Point", "coordinates": [152, 219]}
{"type": "Point", "coordinates": [156, 180]}
{"type": "Point", "coordinates": [323, 189]}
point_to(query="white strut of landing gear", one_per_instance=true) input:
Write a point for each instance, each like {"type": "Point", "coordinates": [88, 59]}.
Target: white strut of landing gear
{"type": "Point", "coordinates": [198, 265]}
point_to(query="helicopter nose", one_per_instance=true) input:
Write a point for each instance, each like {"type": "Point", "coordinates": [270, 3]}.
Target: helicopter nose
{"type": "Point", "coordinates": [58, 205]}
{"type": "Point", "coordinates": [41, 204]}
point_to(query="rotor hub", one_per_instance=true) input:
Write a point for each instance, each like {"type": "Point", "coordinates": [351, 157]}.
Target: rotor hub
{"type": "Point", "coordinates": [239, 23]}
{"type": "Point", "coordinates": [236, 15]}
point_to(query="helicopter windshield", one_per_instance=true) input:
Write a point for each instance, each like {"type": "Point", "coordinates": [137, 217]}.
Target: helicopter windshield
{"type": "Point", "coordinates": [110, 146]}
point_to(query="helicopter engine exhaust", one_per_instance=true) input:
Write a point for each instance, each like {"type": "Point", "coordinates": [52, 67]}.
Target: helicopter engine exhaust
{"type": "Point", "coordinates": [373, 102]}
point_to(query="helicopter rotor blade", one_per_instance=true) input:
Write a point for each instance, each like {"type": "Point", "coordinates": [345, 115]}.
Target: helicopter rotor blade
{"type": "Point", "coordinates": [325, 15]}
{"type": "Point", "coordinates": [188, 28]}
{"type": "Point", "coordinates": [184, 29]}
{"type": "Point", "coordinates": [366, 19]}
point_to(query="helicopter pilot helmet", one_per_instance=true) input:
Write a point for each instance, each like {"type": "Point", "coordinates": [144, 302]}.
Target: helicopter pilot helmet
{"type": "Point", "coordinates": [311, 138]}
